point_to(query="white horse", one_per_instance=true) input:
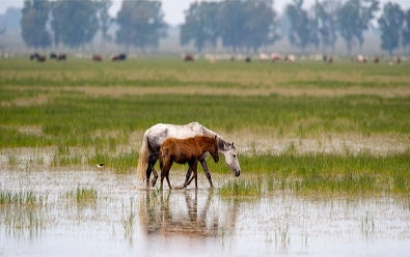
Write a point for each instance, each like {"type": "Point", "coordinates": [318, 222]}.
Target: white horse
{"type": "Point", "coordinates": [156, 135]}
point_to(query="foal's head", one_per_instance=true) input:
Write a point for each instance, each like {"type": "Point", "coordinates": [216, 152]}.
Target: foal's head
{"type": "Point", "coordinates": [214, 149]}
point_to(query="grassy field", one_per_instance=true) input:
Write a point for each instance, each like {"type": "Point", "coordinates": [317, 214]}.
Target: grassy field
{"type": "Point", "coordinates": [340, 128]}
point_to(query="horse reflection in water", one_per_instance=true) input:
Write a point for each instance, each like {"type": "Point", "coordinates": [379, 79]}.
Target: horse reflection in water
{"type": "Point", "coordinates": [162, 213]}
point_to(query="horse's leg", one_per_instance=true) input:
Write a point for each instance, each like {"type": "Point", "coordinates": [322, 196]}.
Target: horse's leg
{"type": "Point", "coordinates": [206, 170]}
{"type": "Point", "coordinates": [167, 177]}
{"type": "Point", "coordinates": [150, 168]}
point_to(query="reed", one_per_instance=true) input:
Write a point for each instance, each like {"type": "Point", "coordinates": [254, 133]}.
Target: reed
{"type": "Point", "coordinates": [19, 198]}
{"type": "Point", "coordinates": [241, 188]}
{"type": "Point", "coordinates": [83, 195]}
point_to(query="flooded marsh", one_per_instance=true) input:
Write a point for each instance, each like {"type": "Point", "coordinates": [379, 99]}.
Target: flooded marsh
{"type": "Point", "coordinates": [91, 213]}
{"type": "Point", "coordinates": [324, 152]}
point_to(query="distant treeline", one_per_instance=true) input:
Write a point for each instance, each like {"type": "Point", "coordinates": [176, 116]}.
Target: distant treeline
{"type": "Point", "coordinates": [245, 25]}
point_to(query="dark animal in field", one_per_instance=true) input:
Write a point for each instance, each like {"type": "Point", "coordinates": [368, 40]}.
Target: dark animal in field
{"type": "Point", "coordinates": [330, 60]}
{"type": "Point", "coordinates": [276, 58]}
{"type": "Point", "coordinates": [97, 58]}
{"type": "Point", "coordinates": [41, 58]}
{"type": "Point", "coordinates": [34, 56]}
{"type": "Point", "coordinates": [248, 59]}
{"type": "Point", "coordinates": [38, 57]}
{"type": "Point", "coordinates": [189, 58]}
{"type": "Point", "coordinates": [119, 57]}
{"type": "Point", "coordinates": [61, 57]}
{"type": "Point", "coordinates": [53, 56]}
{"type": "Point", "coordinates": [188, 150]}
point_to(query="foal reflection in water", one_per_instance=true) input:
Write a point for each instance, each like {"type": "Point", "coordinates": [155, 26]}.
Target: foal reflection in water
{"type": "Point", "coordinates": [186, 213]}
{"type": "Point", "coordinates": [183, 151]}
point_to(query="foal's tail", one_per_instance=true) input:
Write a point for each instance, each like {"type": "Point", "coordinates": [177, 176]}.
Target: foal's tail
{"type": "Point", "coordinates": [143, 160]}
{"type": "Point", "coordinates": [161, 158]}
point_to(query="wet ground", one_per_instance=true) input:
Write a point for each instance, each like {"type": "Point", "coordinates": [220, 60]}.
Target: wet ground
{"type": "Point", "coordinates": [122, 220]}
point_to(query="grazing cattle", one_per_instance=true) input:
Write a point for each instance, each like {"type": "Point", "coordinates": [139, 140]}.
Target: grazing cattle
{"type": "Point", "coordinates": [53, 56]}
{"type": "Point", "coordinates": [41, 58]}
{"type": "Point", "coordinates": [38, 57]}
{"type": "Point", "coordinates": [361, 58]}
{"type": "Point", "coordinates": [248, 59]}
{"type": "Point", "coordinates": [376, 59]}
{"type": "Point", "coordinates": [330, 60]}
{"type": "Point", "coordinates": [263, 57]}
{"type": "Point", "coordinates": [290, 58]}
{"type": "Point", "coordinates": [34, 56]}
{"type": "Point", "coordinates": [96, 58]}
{"type": "Point", "coordinates": [276, 58]}
{"type": "Point", "coordinates": [119, 57]}
{"type": "Point", "coordinates": [61, 57]}
{"type": "Point", "coordinates": [189, 58]}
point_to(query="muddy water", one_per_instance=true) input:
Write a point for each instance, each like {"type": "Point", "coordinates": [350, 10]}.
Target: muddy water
{"type": "Point", "coordinates": [125, 221]}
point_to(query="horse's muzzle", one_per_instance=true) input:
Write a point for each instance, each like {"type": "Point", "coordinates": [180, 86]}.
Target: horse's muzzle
{"type": "Point", "coordinates": [237, 173]}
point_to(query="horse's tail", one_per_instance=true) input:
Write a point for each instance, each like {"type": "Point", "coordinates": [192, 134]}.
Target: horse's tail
{"type": "Point", "coordinates": [143, 160]}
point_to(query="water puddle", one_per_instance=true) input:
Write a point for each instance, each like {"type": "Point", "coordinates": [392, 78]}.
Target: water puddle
{"type": "Point", "coordinates": [99, 213]}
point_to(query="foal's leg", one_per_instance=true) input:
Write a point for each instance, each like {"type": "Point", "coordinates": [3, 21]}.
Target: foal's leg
{"type": "Point", "coordinates": [193, 166]}
{"type": "Point", "coordinates": [165, 173]}
{"type": "Point", "coordinates": [196, 174]}
{"type": "Point", "coordinates": [188, 175]}
{"type": "Point", "coordinates": [206, 170]}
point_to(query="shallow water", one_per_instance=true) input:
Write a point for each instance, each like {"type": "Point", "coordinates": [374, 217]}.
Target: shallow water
{"type": "Point", "coordinates": [126, 221]}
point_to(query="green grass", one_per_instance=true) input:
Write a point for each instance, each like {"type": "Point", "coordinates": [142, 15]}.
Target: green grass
{"type": "Point", "coordinates": [327, 174]}
{"type": "Point", "coordinates": [19, 198]}
{"type": "Point", "coordinates": [88, 113]}
{"type": "Point", "coordinates": [83, 195]}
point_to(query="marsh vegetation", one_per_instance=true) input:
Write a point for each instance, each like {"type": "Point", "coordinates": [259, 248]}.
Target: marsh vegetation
{"type": "Point", "coordinates": [324, 151]}
{"type": "Point", "coordinates": [305, 126]}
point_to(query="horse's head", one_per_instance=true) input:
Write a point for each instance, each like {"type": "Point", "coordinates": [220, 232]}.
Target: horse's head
{"type": "Point", "coordinates": [231, 157]}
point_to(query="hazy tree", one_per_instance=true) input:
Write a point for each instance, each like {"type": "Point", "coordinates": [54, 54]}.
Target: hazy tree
{"type": "Point", "coordinates": [406, 30]}
{"type": "Point", "coordinates": [201, 25]}
{"type": "Point", "coordinates": [232, 23]}
{"type": "Point", "coordinates": [390, 24]}
{"type": "Point", "coordinates": [303, 30]}
{"type": "Point", "coordinates": [11, 19]}
{"type": "Point", "coordinates": [74, 22]}
{"type": "Point", "coordinates": [354, 17]}
{"type": "Point", "coordinates": [33, 23]}
{"type": "Point", "coordinates": [248, 24]}
{"type": "Point", "coordinates": [141, 24]}
{"type": "Point", "coordinates": [261, 24]}
{"type": "Point", "coordinates": [104, 18]}
{"type": "Point", "coordinates": [326, 17]}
